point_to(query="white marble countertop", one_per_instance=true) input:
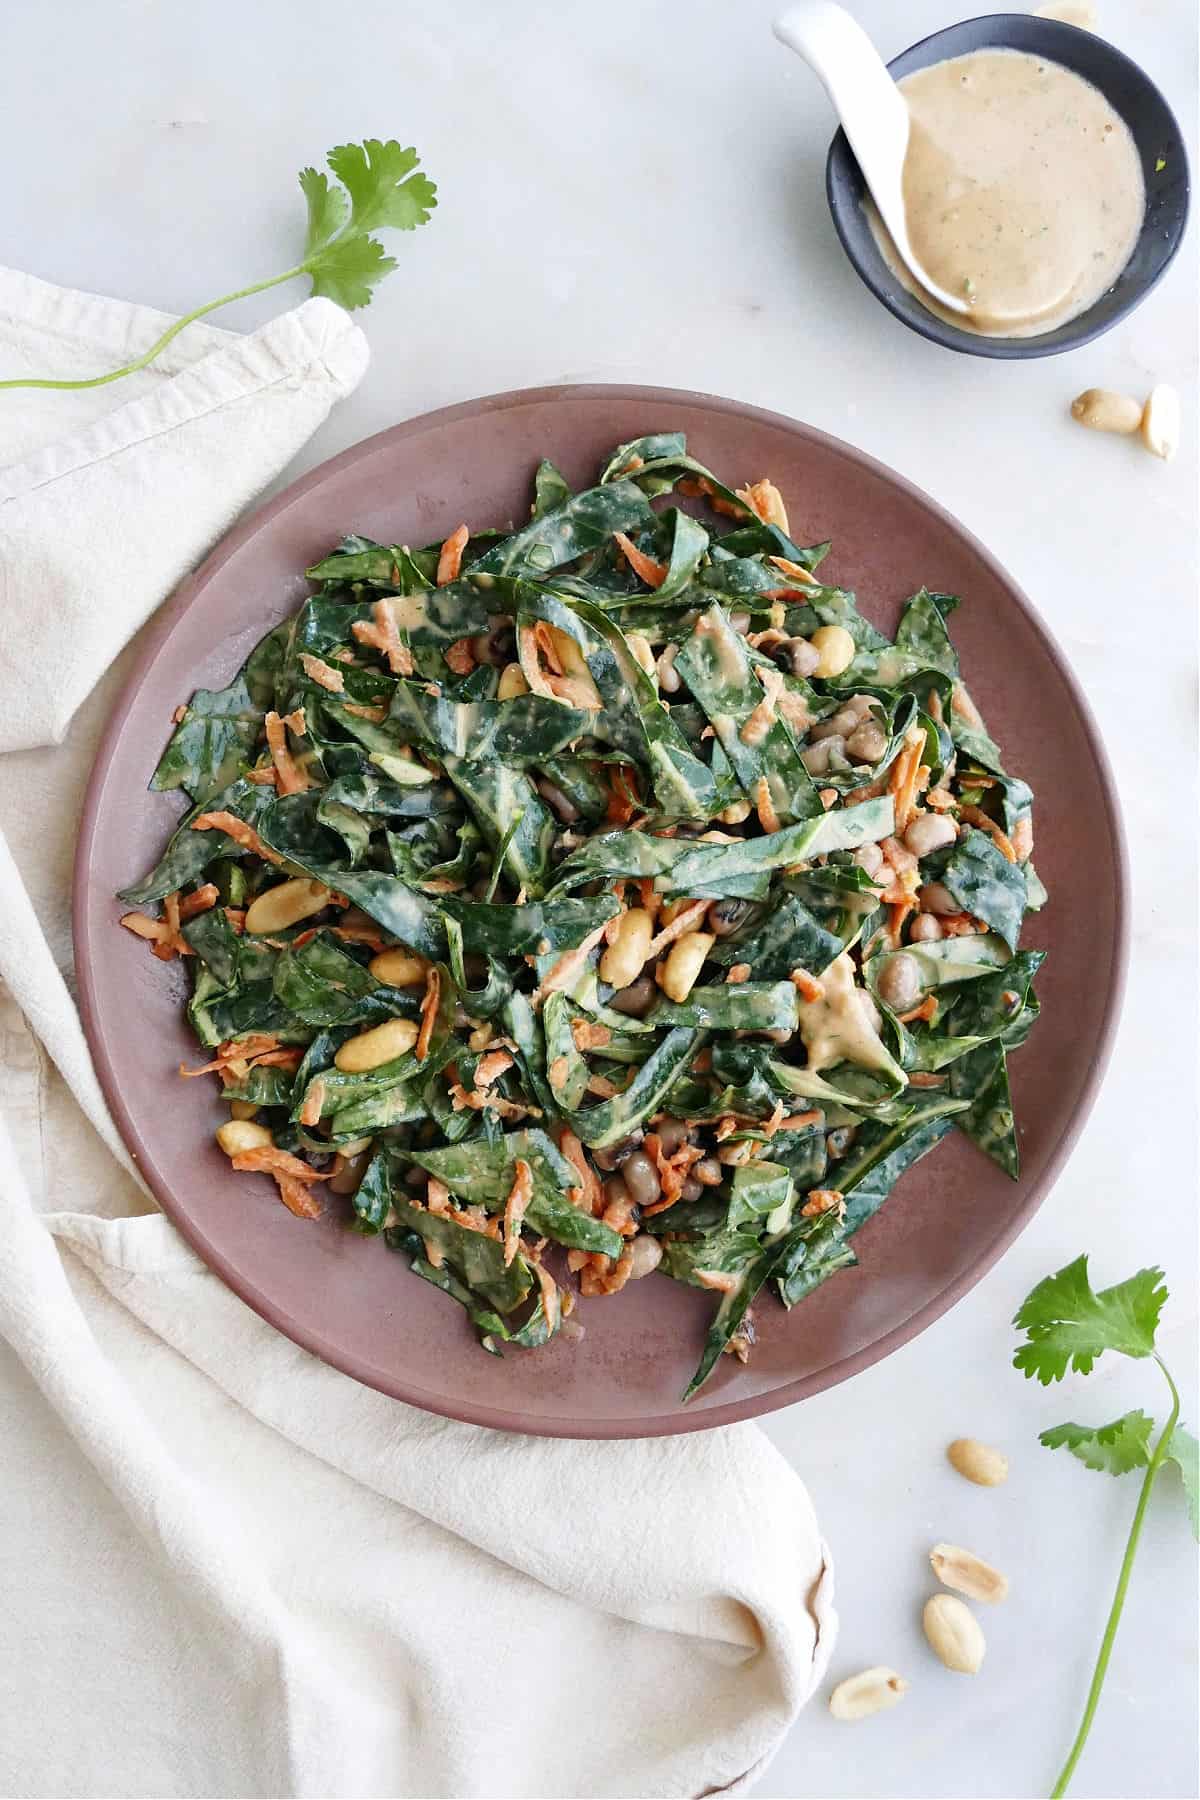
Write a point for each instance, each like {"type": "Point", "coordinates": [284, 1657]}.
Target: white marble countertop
{"type": "Point", "coordinates": [636, 194]}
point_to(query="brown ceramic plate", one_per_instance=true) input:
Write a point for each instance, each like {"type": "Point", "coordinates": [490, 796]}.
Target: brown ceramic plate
{"type": "Point", "coordinates": [348, 1299]}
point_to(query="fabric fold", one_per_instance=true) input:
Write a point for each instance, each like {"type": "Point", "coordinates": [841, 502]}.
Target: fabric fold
{"type": "Point", "coordinates": [253, 1575]}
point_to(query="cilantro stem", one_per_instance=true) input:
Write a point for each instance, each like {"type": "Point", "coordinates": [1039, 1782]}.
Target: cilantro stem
{"type": "Point", "coordinates": [1114, 1618]}
{"type": "Point", "coordinates": [156, 348]}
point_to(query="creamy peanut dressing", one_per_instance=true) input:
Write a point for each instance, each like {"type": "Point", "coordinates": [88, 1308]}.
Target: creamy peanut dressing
{"type": "Point", "coordinates": [837, 1027]}
{"type": "Point", "coordinates": [1023, 191]}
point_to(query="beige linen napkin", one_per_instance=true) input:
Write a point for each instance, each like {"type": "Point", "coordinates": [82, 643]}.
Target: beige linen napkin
{"type": "Point", "coordinates": [226, 1569]}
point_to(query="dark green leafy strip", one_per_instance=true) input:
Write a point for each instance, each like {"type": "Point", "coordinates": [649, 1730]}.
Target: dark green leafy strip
{"type": "Point", "coordinates": [986, 885]}
{"type": "Point", "coordinates": [585, 522]}
{"type": "Point", "coordinates": [714, 663]}
{"type": "Point", "coordinates": [264, 665]}
{"type": "Point", "coordinates": [747, 1006]}
{"type": "Point", "coordinates": [788, 938]}
{"type": "Point", "coordinates": [922, 635]}
{"type": "Point", "coordinates": [998, 1007]}
{"type": "Point", "coordinates": [529, 729]}
{"type": "Point", "coordinates": [477, 1257]}
{"type": "Point", "coordinates": [680, 866]}
{"type": "Point", "coordinates": [215, 942]}
{"type": "Point", "coordinates": [760, 1190]}
{"type": "Point", "coordinates": [550, 489]}
{"type": "Point", "coordinates": [613, 1119]}
{"type": "Point", "coordinates": [373, 1196]}
{"type": "Point", "coordinates": [939, 965]}
{"type": "Point", "coordinates": [212, 743]}
{"type": "Point", "coordinates": [483, 1174]}
{"type": "Point", "coordinates": [189, 853]}
{"type": "Point", "coordinates": [981, 1079]}
{"type": "Point", "coordinates": [510, 815]}
{"type": "Point", "coordinates": [737, 1302]}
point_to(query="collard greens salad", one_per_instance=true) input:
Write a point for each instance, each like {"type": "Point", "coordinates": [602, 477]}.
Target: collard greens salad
{"type": "Point", "coordinates": [609, 884]}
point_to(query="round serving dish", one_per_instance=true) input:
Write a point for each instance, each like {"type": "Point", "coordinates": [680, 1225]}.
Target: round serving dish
{"type": "Point", "coordinates": [1159, 142]}
{"type": "Point", "coordinates": [346, 1298]}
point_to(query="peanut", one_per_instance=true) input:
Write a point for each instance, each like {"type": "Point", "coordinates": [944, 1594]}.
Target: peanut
{"type": "Point", "coordinates": [1101, 410]}
{"type": "Point", "coordinates": [835, 648]}
{"type": "Point", "coordinates": [398, 968]}
{"type": "Point", "coordinates": [968, 1574]}
{"type": "Point", "coordinates": [1160, 422]}
{"type": "Point", "coordinates": [381, 1044]}
{"type": "Point", "coordinates": [954, 1634]}
{"type": "Point", "coordinates": [978, 1462]}
{"type": "Point", "coordinates": [243, 1134]}
{"type": "Point", "coordinates": [242, 1109]}
{"type": "Point", "coordinates": [684, 963]}
{"type": "Point", "coordinates": [625, 957]}
{"type": "Point", "coordinates": [285, 905]}
{"type": "Point", "coordinates": [875, 1690]}
{"type": "Point", "coordinates": [512, 682]}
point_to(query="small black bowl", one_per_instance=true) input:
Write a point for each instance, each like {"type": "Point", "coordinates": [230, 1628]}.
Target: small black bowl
{"type": "Point", "coordinates": [1155, 132]}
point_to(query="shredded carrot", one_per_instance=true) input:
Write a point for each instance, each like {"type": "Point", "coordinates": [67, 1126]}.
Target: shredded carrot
{"type": "Point", "coordinates": [764, 806]}
{"type": "Point", "coordinates": [588, 1035]}
{"type": "Point", "coordinates": [589, 1191]}
{"type": "Point", "coordinates": [729, 508]}
{"type": "Point", "coordinates": [289, 778]}
{"type": "Point", "coordinates": [923, 1080]}
{"type": "Point", "coordinates": [384, 636]}
{"type": "Point", "coordinates": [267, 1159]}
{"type": "Point", "coordinates": [941, 799]}
{"type": "Point", "coordinates": [795, 570]}
{"type": "Point", "coordinates": [239, 831]}
{"type": "Point", "coordinates": [519, 1196]}
{"type": "Point", "coordinates": [799, 1121]}
{"type": "Point", "coordinates": [203, 898]}
{"type": "Point", "coordinates": [644, 567]}
{"type": "Point", "coordinates": [490, 1067]}
{"type": "Point", "coordinates": [821, 1200]}
{"type": "Point", "coordinates": [975, 816]}
{"type": "Point", "coordinates": [722, 1281]}
{"type": "Point", "coordinates": [902, 783]}
{"type": "Point", "coordinates": [897, 915]}
{"type": "Point", "coordinates": [297, 1196]}
{"type": "Point", "coordinates": [237, 918]}
{"type": "Point", "coordinates": [764, 499]}
{"type": "Point", "coordinates": [355, 933]}
{"type": "Point", "coordinates": [550, 1299]}
{"type": "Point", "coordinates": [460, 657]}
{"type": "Point", "coordinates": [179, 715]}
{"type": "Point", "coordinates": [268, 777]}
{"type": "Point", "coordinates": [314, 1100]}
{"type": "Point", "coordinates": [324, 676]}
{"type": "Point", "coordinates": [570, 963]}
{"type": "Point", "coordinates": [622, 796]}
{"type": "Point", "coordinates": [926, 1010]}
{"type": "Point", "coordinates": [375, 715]}
{"type": "Point", "coordinates": [687, 919]}
{"type": "Point", "coordinates": [737, 973]}
{"type": "Point", "coordinates": [429, 1007]}
{"type": "Point", "coordinates": [808, 987]}
{"type": "Point", "coordinates": [450, 556]}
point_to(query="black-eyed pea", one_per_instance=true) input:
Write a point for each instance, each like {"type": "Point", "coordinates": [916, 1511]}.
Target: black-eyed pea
{"type": "Point", "coordinates": [929, 832]}
{"type": "Point", "coordinates": [645, 1254]}
{"type": "Point", "coordinates": [935, 897]}
{"type": "Point", "coordinates": [899, 982]}
{"type": "Point", "coordinates": [925, 929]}
{"type": "Point", "coordinates": [381, 1044]}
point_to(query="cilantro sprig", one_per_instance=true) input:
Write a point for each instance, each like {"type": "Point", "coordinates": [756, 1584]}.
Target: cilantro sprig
{"type": "Point", "coordinates": [1069, 1326]}
{"type": "Point", "coordinates": [378, 187]}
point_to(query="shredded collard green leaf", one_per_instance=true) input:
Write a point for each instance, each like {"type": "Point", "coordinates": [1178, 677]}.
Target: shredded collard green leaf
{"type": "Point", "coordinates": [555, 894]}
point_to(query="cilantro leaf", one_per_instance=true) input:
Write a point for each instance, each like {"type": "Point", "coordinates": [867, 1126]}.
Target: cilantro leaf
{"type": "Point", "coordinates": [349, 269]}
{"type": "Point", "coordinates": [1069, 1325]}
{"type": "Point", "coordinates": [328, 209]}
{"type": "Point", "coordinates": [1113, 1449]}
{"type": "Point", "coordinates": [373, 175]}
{"type": "Point", "coordinates": [1184, 1452]}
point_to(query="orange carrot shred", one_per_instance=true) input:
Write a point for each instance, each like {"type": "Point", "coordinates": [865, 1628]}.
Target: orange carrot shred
{"type": "Point", "coordinates": [644, 567]}
{"type": "Point", "coordinates": [451, 555]}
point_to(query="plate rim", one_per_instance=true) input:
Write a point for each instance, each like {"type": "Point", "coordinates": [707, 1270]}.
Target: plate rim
{"type": "Point", "coordinates": [309, 1337]}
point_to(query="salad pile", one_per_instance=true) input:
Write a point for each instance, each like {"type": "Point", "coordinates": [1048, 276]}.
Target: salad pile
{"type": "Point", "coordinates": [609, 884]}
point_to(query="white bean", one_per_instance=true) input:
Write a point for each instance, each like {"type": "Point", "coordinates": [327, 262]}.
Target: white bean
{"type": "Point", "coordinates": [623, 961]}
{"type": "Point", "coordinates": [398, 968]}
{"type": "Point", "coordinates": [816, 759]}
{"type": "Point", "coordinates": [371, 1049]}
{"type": "Point", "coordinates": [642, 651]}
{"type": "Point", "coordinates": [243, 1134]}
{"type": "Point", "coordinates": [285, 905]}
{"type": "Point", "coordinates": [869, 858]}
{"type": "Point", "coordinates": [684, 963]}
{"type": "Point", "coordinates": [867, 742]}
